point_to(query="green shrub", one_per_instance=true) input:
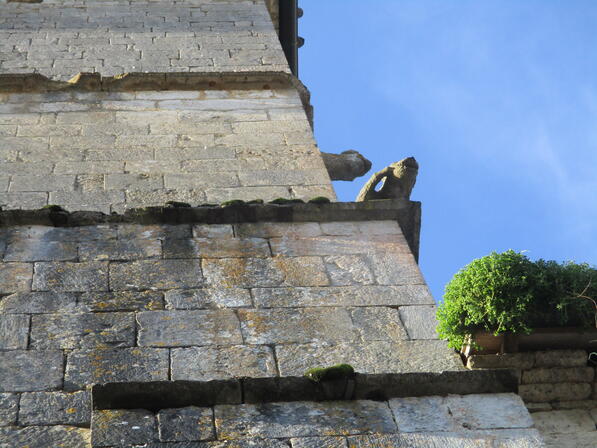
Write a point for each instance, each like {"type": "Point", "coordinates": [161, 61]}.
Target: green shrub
{"type": "Point", "coordinates": [507, 292]}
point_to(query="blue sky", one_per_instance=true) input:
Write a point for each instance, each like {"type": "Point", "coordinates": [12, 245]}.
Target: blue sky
{"type": "Point", "coordinates": [497, 100]}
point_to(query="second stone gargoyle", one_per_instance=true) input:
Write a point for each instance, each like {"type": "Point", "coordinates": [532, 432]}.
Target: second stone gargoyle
{"type": "Point", "coordinates": [397, 180]}
{"type": "Point", "coordinates": [347, 165]}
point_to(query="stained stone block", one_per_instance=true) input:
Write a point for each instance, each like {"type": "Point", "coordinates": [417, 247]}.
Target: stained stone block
{"type": "Point", "coordinates": [489, 411]}
{"type": "Point", "coordinates": [121, 301]}
{"type": "Point", "coordinates": [319, 442]}
{"type": "Point", "coordinates": [564, 422]}
{"type": "Point", "coordinates": [423, 414]}
{"type": "Point", "coordinates": [561, 358]}
{"type": "Point", "coordinates": [40, 250]}
{"type": "Point", "coordinates": [83, 330]}
{"type": "Point", "coordinates": [392, 268]}
{"type": "Point", "coordinates": [299, 325]}
{"type": "Point", "coordinates": [303, 419]}
{"type": "Point", "coordinates": [522, 361]}
{"type": "Point", "coordinates": [9, 405]}
{"type": "Point", "coordinates": [189, 299]}
{"type": "Point", "coordinates": [15, 277]}
{"type": "Point", "coordinates": [86, 367]}
{"type": "Point", "coordinates": [210, 363]}
{"type": "Point", "coordinates": [216, 248]}
{"type": "Point", "coordinates": [184, 328]}
{"type": "Point", "coordinates": [380, 228]}
{"type": "Point", "coordinates": [120, 250]}
{"type": "Point", "coordinates": [347, 270]}
{"type": "Point", "coordinates": [38, 302]}
{"type": "Point", "coordinates": [160, 232]}
{"type": "Point", "coordinates": [186, 424]}
{"type": "Point", "coordinates": [14, 331]}
{"type": "Point", "coordinates": [156, 274]}
{"type": "Point", "coordinates": [265, 272]}
{"type": "Point", "coordinates": [555, 392]}
{"type": "Point", "coordinates": [559, 375]}
{"type": "Point", "coordinates": [213, 231]}
{"type": "Point", "coordinates": [28, 370]}
{"type": "Point", "coordinates": [420, 321]}
{"type": "Point", "coordinates": [341, 296]}
{"type": "Point", "coordinates": [278, 229]}
{"type": "Point", "coordinates": [577, 440]}
{"type": "Point", "coordinates": [55, 408]}
{"type": "Point", "coordinates": [423, 440]}
{"type": "Point", "coordinates": [378, 324]}
{"type": "Point", "coordinates": [72, 277]}
{"type": "Point", "coordinates": [239, 443]}
{"type": "Point", "coordinates": [45, 436]}
{"type": "Point", "coordinates": [123, 427]}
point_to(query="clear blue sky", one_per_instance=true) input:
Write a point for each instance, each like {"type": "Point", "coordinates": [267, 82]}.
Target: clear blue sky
{"type": "Point", "coordinates": [497, 100]}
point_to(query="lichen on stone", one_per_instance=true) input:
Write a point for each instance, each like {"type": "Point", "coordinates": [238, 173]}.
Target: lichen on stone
{"type": "Point", "coordinates": [337, 372]}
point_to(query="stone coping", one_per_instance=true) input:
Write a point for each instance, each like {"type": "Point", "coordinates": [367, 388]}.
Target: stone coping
{"type": "Point", "coordinates": [379, 387]}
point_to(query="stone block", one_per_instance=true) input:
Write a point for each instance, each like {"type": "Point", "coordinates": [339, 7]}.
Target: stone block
{"type": "Point", "coordinates": [39, 250]}
{"type": "Point", "coordinates": [555, 392]}
{"type": "Point", "coordinates": [521, 361]}
{"type": "Point", "coordinates": [348, 270]}
{"type": "Point", "coordinates": [45, 436]}
{"type": "Point", "coordinates": [489, 411]}
{"type": "Point", "coordinates": [9, 405]}
{"type": "Point", "coordinates": [120, 250]}
{"type": "Point", "coordinates": [156, 274]}
{"type": "Point", "coordinates": [216, 248]}
{"type": "Point", "coordinates": [211, 363]}
{"type": "Point", "coordinates": [184, 328]}
{"type": "Point", "coordinates": [186, 424]}
{"type": "Point", "coordinates": [420, 321]}
{"type": "Point", "coordinates": [86, 367]}
{"type": "Point", "coordinates": [265, 272]}
{"type": "Point", "coordinates": [300, 325]}
{"type": "Point", "coordinates": [392, 268]}
{"type": "Point", "coordinates": [561, 358]}
{"type": "Point", "coordinates": [581, 404]}
{"type": "Point", "coordinates": [82, 330]}
{"type": "Point", "coordinates": [319, 442]}
{"type": "Point", "coordinates": [15, 277]}
{"type": "Point", "coordinates": [423, 440]}
{"type": "Point", "coordinates": [303, 419]}
{"type": "Point", "coordinates": [154, 231]}
{"type": "Point", "coordinates": [577, 440]}
{"type": "Point", "coordinates": [55, 408]}
{"type": "Point", "coordinates": [213, 231]}
{"type": "Point", "coordinates": [70, 277]}
{"type": "Point", "coordinates": [564, 422]}
{"type": "Point", "coordinates": [14, 331]}
{"type": "Point", "coordinates": [30, 370]}
{"type": "Point", "coordinates": [134, 181]}
{"type": "Point", "coordinates": [38, 302]}
{"type": "Point", "coordinates": [121, 301]}
{"type": "Point", "coordinates": [26, 201]}
{"type": "Point", "coordinates": [123, 427]}
{"type": "Point", "coordinates": [559, 375]}
{"type": "Point", "coordinates": [422, 414]}
{"type": "Point", "coordinates": [379, 227]}
{"type": "Point", "coordinates": [42, 183]}
{"type": "Point", "coordinates": [378, 324]}
{"type": "Point", "coordinates": [206, 298]}
{"type": "Point", "coordinates": [278, 229]}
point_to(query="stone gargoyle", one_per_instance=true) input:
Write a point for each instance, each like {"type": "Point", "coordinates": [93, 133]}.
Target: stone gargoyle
{"type": "Point", "coordinates": [347, 165]}
{"type": "Point", "coordinates": [397, 182]}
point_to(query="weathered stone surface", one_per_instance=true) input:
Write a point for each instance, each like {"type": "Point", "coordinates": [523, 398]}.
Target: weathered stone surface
{"type": "Point", "coordinates": [23, 371]}
{"type": "Point", "coordinates": [210, 363]}
{"type": "Point", "coordinates": [46, 233]}
{"type": "Point", "coordinates": [489, 411]}
{"type": "Point", "coordinates": [86, 367]}
{"type": "Point", "coordinates": [561, 358]}
{"type": "Point", "coordinates": [265, 272]}
{"type": "Point", "coordinates": [522, 361]}
{"type": "Point", "coordinates": [189, 299]}
{"type": "Point", "coordinates": [438, 440]}
{"type": "Point", "coordinates": [40, 250]}
{"type": "Point", "coordinates": [67, 276]}
{"type": "Point", "coordinates": [370, 357]}
{"type": "Point", "coordinates": [419, 321]}
{"type": "Point", "coordinates": [55, 408]}
{"type": "Point", "coordinates": [9, 405]}
{"type": "Point", "coordinates": [580, 404]}
{"type": "Point", "coordinates": [538, 407]}
{"type": "Point", "coordinates": [186, 424]}
{"type": "Point", "coordinates": [423, 414]}
{"type": "Point", "coordinates": [156, 274]}
{"type": "Point", "coordinates": [123, 427]}
{"type": "Point", "coordinates": [14, 331]}
{"type": "Point", "coordinates": [553, 392]}
{"type": "Point", "coordinates": [319, 442]}
{"type": "Point", "coordinates": [38, 302]}
{"type": "Point", "coordinates": [559, 375]}
{"type": "Point", "coordinates": [15, 277]}
{"type": "Point", "coordinates": [300, 325]}
{"type": "Point", "coordinates": [122, 301]}
{"type": "Point", "coordinates": [576, 440]}
{"type": "Point", "coordinates": [153, 231]}
{"type": "Point", "coordinates": [216, 248]}
{"type": "Point", "coordinates": [119, 250]}
{"type": "Point", "coordinates": [347, 270]}
{"type": "Point", "coordinates": [213, 231]}
{"type": "Point", "coordinates": [338, 245]}
{"type": "Point", "coordinates": [564, 422]}
{"type": "Point", "coordinates": [82, 330]}
{"type": "Point", "coordinates": [378, 324]}
{"type": "Point", "coordinates": [278, 229]}
{"type": "Point", "coordinates": [341, 296]}
{"type": "Point", "coordinates": [303, 419]}
{"type": "Point", "coordinates": [393, 268]}
{"type": "Point", "coordinates": [184, 328]}
{"type": "Point", "coordinates": [45, 436]}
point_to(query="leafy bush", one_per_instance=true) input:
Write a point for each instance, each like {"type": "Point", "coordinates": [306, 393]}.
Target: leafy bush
{"type": "Point", "coordinates": [507, 292]}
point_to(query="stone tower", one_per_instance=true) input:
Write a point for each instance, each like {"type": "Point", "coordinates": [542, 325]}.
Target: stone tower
{"type": "Point", "coordinates": [128, 319]}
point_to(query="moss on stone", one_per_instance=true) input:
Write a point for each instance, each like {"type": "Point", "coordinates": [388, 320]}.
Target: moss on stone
{"type": "Point", "coordinates": [319, 200]}
{"type": "Point", "coordinates": [53, 208]}
{"type": "Point", "coordinates": [337, 372]}
{"type": "Point", "coordinates": [233, 203]}
{"type": "Point", "coordinates": [284, 201]}
{"type": "Point", "coordinates": [255, 202]}
{"type": "Point", "coordinates": [176, 204]}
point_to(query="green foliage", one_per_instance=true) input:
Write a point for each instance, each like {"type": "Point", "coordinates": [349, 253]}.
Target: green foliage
{"type": "Point", "coordinates": [336, 372]}
{"type": "Point", "coordinates": [507, 292]}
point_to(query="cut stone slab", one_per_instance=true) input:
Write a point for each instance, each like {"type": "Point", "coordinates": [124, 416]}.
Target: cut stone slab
{"type": "Point", "coordinates": [120, 250]}
{"type": "Point", "coordinates": [564, 422]}
{"type": "Point", "coordinates": [576, 440]}
{"type": "Point", "coordinates": [213, 231]}
{"type": "Point", "coordinates": [420, 321]}
{"type": "Point", "coordinates": [185, 328]}
{"type": "Point", "coordinates": [186, 424]}
{"type": "Point", "coordinates": [211, 363]}
{"type": "Point", "coordinates": [278, 229]}
{"type": "Point", "coordinates": [38, 302]}
{"type": "Point", "coordinates": [561, 358]}
{"type": "Point", "coordinates": [348, 270]}
{"type": "Point", "coordinates": [40, 250]}
{"type": "Point", "coordinates": [217, 248]}
{"type": "Point", "coordinates": [73, 277]}
{"type": "Point", "coordinates": [559, 375]}
{"type": "Point", "coordinates": [319, 442]}
{"type": "Point", "coordinates": [555, 392]}
{"type": "Point", "coordinates": [207, 298]}
{"type": "Point", "coordinates": [86, 367]}
{"type": "Point", "coordinates": [122, 301]}
{"type": "Point", "coordinates": [489, 411]}
{"type": "Point", "coordinates": [303, 419]}
{"type": "Point", "coordinates": [45, 436]}
{"type": "Point", "coordinates": [123, 427]}
{"type": "Point", "coordinates": [423, 440]}
{"type": "Point", "coordinates": [9, 405]}
{"type": "Point", "coordinates": [55, 408]}
{"type": "Point", "coordinates": [423, 414]}
{"type": "Point", "coordinates": [522, 361]}
{"type": "Point", "coordinates": [156, 274]}
{"type": "Point", "coordinates": [378, 324]}
{"type": "Point", "coordinates": [14, 331]}
{"type": "Point", "coordinates": [154, 231]}
{"type": "Point", "coordinates": [30, 370]}
{"type": "Point", "coordinates": [15, 277]}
